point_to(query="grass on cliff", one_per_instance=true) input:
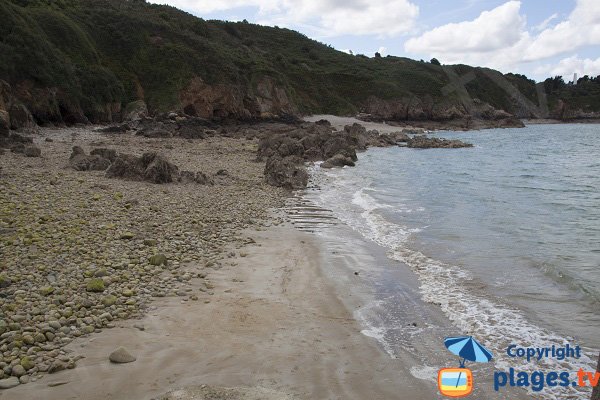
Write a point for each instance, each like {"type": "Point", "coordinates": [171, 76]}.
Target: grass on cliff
{"type": "Point", "coordinates": [112, 51]}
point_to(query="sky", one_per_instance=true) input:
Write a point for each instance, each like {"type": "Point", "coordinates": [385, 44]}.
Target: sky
{"type": "Point", "coordinates": [538, 38]}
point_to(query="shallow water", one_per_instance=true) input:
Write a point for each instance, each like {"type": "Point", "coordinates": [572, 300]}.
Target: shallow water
{"type": "Point", "coordinates": [505, 236]}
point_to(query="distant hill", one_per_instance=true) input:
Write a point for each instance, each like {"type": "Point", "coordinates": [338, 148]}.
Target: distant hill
{"type": "Point", "coordinates": [85, 60]}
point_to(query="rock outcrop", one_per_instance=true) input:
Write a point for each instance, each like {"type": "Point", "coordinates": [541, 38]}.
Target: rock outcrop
{"type": "Point", "coordinates": [80, 161]}
{"type": "Point", "coordinates": [220, 101]}
{"type": "Point", "coordinates": [430, 114]}
{"type": "Point", "coordinates": [287, 172]}
{"type": "Point", "coordinates": [286, 151]}
{"type": "Point", "coordinates": [423, 142]}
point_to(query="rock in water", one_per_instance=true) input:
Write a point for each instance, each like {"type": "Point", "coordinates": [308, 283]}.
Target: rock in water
{"type": "Point", "coordinates": [423, 142]}
{"type": "Point", "coordinates": [339, 160]}
{"type": "Point", "coordinates": [121, 356]}
{"type": "Point", "coordinates": [9, 382]}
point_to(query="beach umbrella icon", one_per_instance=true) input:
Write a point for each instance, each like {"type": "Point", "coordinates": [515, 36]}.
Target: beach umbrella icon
{"type": "Point", "coordinates": [468, 348]}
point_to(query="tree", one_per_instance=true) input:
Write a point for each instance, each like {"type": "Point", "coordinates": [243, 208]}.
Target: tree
{"type": "Point", "coordinates": [377, 55]}
{"type": "Point", "coordinates": [435, 61]}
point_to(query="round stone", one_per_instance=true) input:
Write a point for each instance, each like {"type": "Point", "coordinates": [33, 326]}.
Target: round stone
{"type": "Point", "coordinates": [121, 356]}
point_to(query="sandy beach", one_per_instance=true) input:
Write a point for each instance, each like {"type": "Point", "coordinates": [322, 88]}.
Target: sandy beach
{"type": "Point", "coordinates": [274, 323]}
{"type": "Point", "coordinates": [248, 308]}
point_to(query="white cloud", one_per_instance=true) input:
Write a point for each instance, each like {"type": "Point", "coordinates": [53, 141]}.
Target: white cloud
{"type": "Point", "coordinates": [383, 51]}
{"type": "Point", "coordinates": [499, 38]}
{"type": "Point", "coordinates": [581, 28]}
{"type": "Point", "coordinates": [328, 17]}
{"type": "Point", "coordinates": [492, 30]}
{"type": "Point", "coordinates": [545, 23]}
{"type": "Point", "coordinates": [570, 65]}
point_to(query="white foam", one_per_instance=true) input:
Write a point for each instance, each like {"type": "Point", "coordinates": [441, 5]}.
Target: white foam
{"type": "Point", "coordinates": [424, 372]}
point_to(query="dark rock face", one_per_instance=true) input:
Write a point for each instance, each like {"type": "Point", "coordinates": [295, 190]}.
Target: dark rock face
{"type": "Point", "coordinates": [286, 172]}
{"type": "Point", "coordinates": [80, 161]}
{"type": "Point", "coordinates": [423, 142]}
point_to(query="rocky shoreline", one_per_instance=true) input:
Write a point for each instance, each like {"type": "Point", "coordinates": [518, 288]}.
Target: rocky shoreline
{"type": "Point", "coordinates": [95, 223]}
{"type": "Point", "coordinates": [82, 250]}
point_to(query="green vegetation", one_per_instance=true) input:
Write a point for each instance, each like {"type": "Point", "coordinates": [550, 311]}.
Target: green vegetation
{"type": "Point", "coordinates": [93, 53]}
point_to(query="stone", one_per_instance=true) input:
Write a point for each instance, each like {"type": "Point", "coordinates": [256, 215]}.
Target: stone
{"type": "Point", "coordinates": [158, 259]}
{"type": "Point", "coordinates": [121, 356]}
{"type": "Point", "coordinates": [5, 281]}
{"type": "Point", "coordinates": [46, 290]}
{"type": "Point", "coordinates": [56, 366]}
{"type": "Point", "coordinates": [9, 382]}
{"type": "Point", "coordinates": [95, 285]}
{"type": "Point", "coordinates": [18, 370]}
{"type": "Point", "coordinates": [150, 242]}
{"type": "Point", "coordinates": [127, 236]}
{"type": "Point", "coordinates": [109, 300]}
{"type": "Point", "coordinates": [57, 383]}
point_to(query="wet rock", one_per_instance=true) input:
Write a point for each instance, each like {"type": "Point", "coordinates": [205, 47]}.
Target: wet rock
{"type": "Point", "coordinates": [339, 160]}
{"type": "Point", "coordinates": [423, 142]}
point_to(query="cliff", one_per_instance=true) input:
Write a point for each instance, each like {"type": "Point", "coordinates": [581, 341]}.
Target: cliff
{"type": "Point", "coordinates": [81, 61]}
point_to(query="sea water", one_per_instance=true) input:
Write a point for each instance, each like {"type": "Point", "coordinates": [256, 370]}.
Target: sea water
{"type": "Point", "coordinates": [504, 237]}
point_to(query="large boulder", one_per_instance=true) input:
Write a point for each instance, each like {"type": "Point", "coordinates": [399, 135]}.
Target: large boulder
{"type": "Point", "coordinates": [339, 160]}
{"type": "Point", "coordinates": [126, 166]}
{"type": "Point", "coordinates": [150, 167]}
{"type": "Point", "coordinates": [158, 169]}
{"type": "Point", "coordinates": [286, 172]}
{"type": "Point", "coordinates": [340, 144]}
{"type": "Point", "coordinates": [80, 161]}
